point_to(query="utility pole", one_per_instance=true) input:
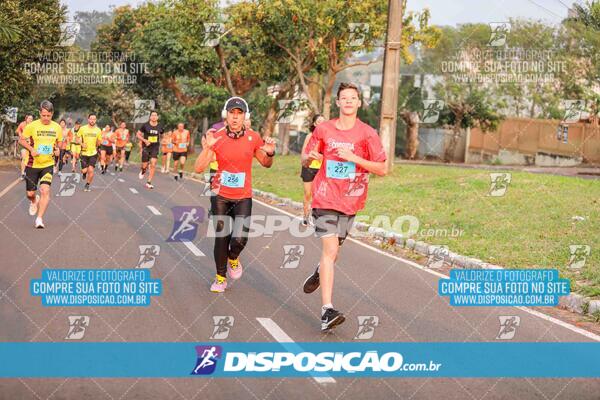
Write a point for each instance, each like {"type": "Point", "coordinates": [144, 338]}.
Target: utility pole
{"type": "Point", "coordinates": [389, 85]}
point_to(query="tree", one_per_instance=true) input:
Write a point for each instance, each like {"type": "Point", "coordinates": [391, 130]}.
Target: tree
{"type": "Point", "coordinates": [466, 107]}
{"type": "Point", "coordinates": [89, 21]}
{"type": "Point", "coordinates": [28, 29]}
{"type": "Point", "coordinates": [587, 14]}
{"type": "Point", "coordinates": [583, 43]}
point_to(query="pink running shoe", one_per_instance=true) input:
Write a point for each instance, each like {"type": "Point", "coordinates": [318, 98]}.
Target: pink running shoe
{"type": "Point", "coordinates": [234, 267]}
{"type": "Point", "coordinates": [219, 285]}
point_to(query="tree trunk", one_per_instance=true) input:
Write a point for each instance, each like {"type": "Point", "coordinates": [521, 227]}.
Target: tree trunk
{"type": "Point", "coordinates": [411, 119]}
{"type": "Point", "coordinates": [305, 88]}
{"type": "Point", "coordinates": [193, 128]}
{"type": "Point", "coordinates": [449, 153]}
{"type": "Point", "coordinates": [204, 124]}
{"type": "Point", "coordinates": [225, 70]}
{"type": "Point", "coordinates": [331, 74]}
{"type": "Point", "coordinates": [268, 125]}
{"type": "Point", "coordinates": [284, 138]}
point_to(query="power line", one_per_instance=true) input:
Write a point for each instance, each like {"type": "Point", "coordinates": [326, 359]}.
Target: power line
{"type": "Point", "coordinates": [547, 9]}
{"type": "Point", "coordinates": [568, 7]}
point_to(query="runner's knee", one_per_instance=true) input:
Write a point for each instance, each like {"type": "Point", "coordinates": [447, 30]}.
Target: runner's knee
{"type": "Point", "coordinates": [44, 190]}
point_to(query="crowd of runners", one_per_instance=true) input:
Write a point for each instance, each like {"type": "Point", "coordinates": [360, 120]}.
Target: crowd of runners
{"type": "Point", "coordinates": [334, 154]}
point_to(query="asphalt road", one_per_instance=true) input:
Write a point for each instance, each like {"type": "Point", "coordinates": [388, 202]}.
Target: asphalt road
{"type": "Point", "coordinates": [104, 229]}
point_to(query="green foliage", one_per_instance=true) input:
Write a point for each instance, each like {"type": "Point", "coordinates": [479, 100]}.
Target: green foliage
{"type": "Point", "coordinates": [28, 28]}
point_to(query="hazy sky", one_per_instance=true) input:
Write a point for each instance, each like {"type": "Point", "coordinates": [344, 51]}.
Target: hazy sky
{"type": "Point", "coordinates": [443, 12]}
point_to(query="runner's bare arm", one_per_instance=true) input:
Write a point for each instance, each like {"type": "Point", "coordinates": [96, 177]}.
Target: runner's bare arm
{"type": "Point", "coordinates": [314, 154]}
{"type": "Point", "coordinates": [206, 155]}
{"type": "Point", "coordinates": [204, 158]}
{"type": "Point", "coordinates": [140, 137]}
{"type": "Point", "coordinates": [25, 143]}
{"type": "Point", "coordinates": [265, 154]}
{"type": "Point", "coordinates": [375, 167]}
{"type": "Point", "coordinates": [306, 139]}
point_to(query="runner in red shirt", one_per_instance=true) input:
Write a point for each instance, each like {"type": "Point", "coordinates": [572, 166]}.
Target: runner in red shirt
{"type": "Point", "coordinates": [106, 148]}
{"type": "Point", "coordinates": [122, 138]}
{"type": "Point", "coordinates": [350, 150]}
{"type": "Point", "coordinates": [235, 147]}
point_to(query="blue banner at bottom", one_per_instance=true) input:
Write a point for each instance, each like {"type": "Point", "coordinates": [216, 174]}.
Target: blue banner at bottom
{"type": "Point", "coordinates": [276, 360]}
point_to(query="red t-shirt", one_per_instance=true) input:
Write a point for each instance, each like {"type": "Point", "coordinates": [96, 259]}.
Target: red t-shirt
{"type": "Point", "coordinates": [341, 185]}
{"type": "Point", "coordinates": [233, 179]}
{"type": "Point", "coordinates": [108, 138]}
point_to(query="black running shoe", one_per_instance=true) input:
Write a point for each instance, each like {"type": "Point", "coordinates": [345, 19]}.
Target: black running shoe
{"type": "Point", "coordinates": [312, 282]}
{"type": "Point", "coordinates": [330, 319]}
{"type": "Point", "coordinates": [116, 167]}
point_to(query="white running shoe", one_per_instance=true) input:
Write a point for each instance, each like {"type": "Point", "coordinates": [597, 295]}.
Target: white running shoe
{"type": "Point", "coordinates": [33, 207]}
{"type": "Point", "coordinates": [141, 175]}
{"type": "Point", "coordinates": [39, 224]}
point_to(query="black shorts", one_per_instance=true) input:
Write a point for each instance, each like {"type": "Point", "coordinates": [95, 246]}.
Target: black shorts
{"type": "Point", "coordinates": [107, 149]}
{"type": "Point", "coordinates": [120, 149]}
{"type": "Point", "coordinates": [308, 174]}
{"type": "Point", "coordinates": [177, 155]}
{"type": "Point", "coordinates": [37, 176]}
{"type": "Point", "coordinates": [150, 152]}
{"type": "Point", "coordinates": [332, 222]}
{"type": "Point", "coordinates": [88, 161]}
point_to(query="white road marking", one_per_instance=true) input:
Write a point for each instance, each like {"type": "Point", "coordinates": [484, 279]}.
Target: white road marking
{"type": "Point", "coordinates": [6, 189]}
{"type": "Point", "coordinates": [546, 317]}
{"type": "Point", "coordinates": [154, 210]}
{"type": "Point", "coordinates": [282, 337]}
{"type": "Point", "coordinates": [121, 180]}
{"type": "Point", "coordinates": [194, 249]}
{"type": "Point", "coordinates": [133, 191]}
{"type": "Point", "coordinates": [538, 314]}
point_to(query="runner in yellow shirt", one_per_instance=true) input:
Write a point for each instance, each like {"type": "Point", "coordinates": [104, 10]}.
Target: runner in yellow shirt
{"type": "Point", "coordinates": [75, 147]}
{"type": "Point", "coordinates": [128, 147]}
{"type": "Point", "coordinates": [89, 136]}
{"type": "Point", "coordinates": [40, 138]}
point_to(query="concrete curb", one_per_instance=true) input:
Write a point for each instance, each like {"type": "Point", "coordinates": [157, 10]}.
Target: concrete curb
{"type": "Point", "coordinates": [573, 302]}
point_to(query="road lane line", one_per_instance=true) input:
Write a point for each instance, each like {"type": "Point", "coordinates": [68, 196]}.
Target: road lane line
{"type": "Point", "coordinates": [154, 210]}
{"type": "Point", "coordinates": [121, 180]}
{"type": "Point", "coordinates": [282, 337]}
{"type": "Point", "coordinates": [6, 189]}
{"type": "Point", "coordinates": [538, 314]}
{"type": "Point", "coordinates": [133, 191]}
{"type": "Point", "coordinates": [194, 249]}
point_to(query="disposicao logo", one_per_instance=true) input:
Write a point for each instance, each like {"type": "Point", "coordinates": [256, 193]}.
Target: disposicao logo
{"type": "Point", "coordinates": [207, 359]}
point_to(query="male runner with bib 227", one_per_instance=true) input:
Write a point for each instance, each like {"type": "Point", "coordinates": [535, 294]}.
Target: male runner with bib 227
{"type": "Point", "coordinates": [350, 150]}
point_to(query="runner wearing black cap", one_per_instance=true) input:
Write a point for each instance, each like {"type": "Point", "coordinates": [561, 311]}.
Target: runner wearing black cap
{"type": "Point", "coordinates": [234, 147]}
